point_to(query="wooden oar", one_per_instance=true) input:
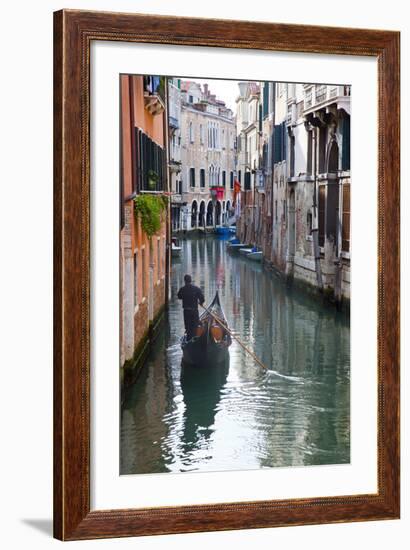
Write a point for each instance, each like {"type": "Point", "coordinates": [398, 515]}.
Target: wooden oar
{"type": "Point", "coordinates": [218, 320]}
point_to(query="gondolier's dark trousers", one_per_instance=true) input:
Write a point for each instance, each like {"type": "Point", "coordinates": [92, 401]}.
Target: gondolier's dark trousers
{"type": "Point", "coordinates": [191, 320]}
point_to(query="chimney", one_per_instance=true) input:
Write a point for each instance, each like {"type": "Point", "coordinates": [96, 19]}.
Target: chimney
{"type": "Point", "coordinates": [206, 90]}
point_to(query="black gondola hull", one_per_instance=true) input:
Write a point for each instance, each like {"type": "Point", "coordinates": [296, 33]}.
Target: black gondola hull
{"type": "Point", "coordinates": [198, 352]}
{"type": "Point", "coordinates": [204, 350]}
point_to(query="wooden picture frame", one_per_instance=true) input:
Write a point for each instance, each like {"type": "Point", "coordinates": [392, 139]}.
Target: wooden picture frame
{"type": "Point", "coordinates": [74, 32]}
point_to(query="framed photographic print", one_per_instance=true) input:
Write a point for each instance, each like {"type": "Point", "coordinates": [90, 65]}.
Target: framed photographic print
{"type": "Point", "coordinates": [226, 206]}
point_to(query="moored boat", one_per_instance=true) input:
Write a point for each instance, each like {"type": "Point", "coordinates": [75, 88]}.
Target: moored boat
{"type": "Point", "coordinates": [255, 256]}
{"type": "Point", "coordinates": [221, 230]}
{"type": "Point", "coordinates": [210, 345]}
{"type": "Point", "coordinates": [175, 248]}
{"type": "Point", "coordinates": [245, 251]}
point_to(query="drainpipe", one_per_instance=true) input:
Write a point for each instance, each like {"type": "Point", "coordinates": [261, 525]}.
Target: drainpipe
{"type": "Point", "coordinates": [315, 218]}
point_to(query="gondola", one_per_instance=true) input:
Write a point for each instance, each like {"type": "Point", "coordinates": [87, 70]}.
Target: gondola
{"type": "Point", "coordinates": [210, 345]}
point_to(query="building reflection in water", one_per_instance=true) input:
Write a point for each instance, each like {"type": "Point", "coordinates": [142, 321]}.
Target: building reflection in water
{"type": "Point", "coordinates": [295, 414]}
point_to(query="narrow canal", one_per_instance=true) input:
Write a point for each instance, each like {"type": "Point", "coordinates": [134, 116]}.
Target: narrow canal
{"type": "Point", "coordinates": [241, 417]}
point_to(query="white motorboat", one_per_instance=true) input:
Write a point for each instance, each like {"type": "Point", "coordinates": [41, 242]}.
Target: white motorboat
{"type": "Point", "coordinates": [245, 251]}
{"type": "Point", "coordinates": [175, 248]}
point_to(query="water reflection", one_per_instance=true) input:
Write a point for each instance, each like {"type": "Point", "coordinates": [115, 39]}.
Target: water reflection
{"type": "Point", "coordinates": [297, 413]}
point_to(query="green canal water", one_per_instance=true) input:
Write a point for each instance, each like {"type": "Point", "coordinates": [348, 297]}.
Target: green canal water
{"type": "Point", "coordinates": [238, 417]}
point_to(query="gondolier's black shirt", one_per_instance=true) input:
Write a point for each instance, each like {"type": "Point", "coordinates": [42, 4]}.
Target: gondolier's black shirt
{"type": "Point", "coordinates": [190, 296]}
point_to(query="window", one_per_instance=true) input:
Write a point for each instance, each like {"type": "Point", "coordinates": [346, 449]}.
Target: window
{"type": "Point", "coordinates": [280, 140]}
{"type": "Point", "coordinates": [192, 177]}
{"type": "Point", "coordinates": [191, 99]}
{"type": "Point", "coordinates": [231, 180]}
{"type": "Point", "coordinates": [309, 224]}
{"type": "Point", "coordinates": [284, 210]}
{"type": "Point", "coordinates": [223, 139]}
{"type": "Point", "coordinates": [276, 211]}
{"type": "Point", "coordinates": [346, 218]}
{"type": "Point", "coordinates": [346, 143]}
{"type": "Point", "coordinates": [144, 274]}
{"type": "Point", "coordinates": [265, 99]}
{"type": "Point", "coordinates": [240, 176]}
{"type": "Point", "coordinates": [309, 152]}
{"type": "Point", "coordinates": [135, 279]}
{"type": "Point", "coordinates": [201, 134]}
{"type": "Point", "coordinates": [292, 156]}
{"type": "Point", "coordinates": [322, 199]}
{"type": "Point", "coordinates": [202, 178]}
{"type": "Point", "coordinates": [223, 178]}
{"type": "Point", "coordinates": [150, 161]}
{"type": "Point", "coordinates": [247, 181]}
{"type": "Point", "coordinates": [191, 132]}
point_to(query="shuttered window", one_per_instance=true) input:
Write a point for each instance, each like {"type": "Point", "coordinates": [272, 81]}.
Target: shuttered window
{"type": "Point", "coordinates": [279, 153]}
{"type": "Point", "coordinates": [265, 99]}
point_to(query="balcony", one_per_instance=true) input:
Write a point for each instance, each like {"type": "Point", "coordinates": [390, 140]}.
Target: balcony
{"type": "Point", "coordinates": [154, 100]}
{"type": "Point", "coordinates": [321, 96]}
{"type": "Point", "coordinates": [173, 122]}
{"type": "Point", "coordinates": [175, 166]}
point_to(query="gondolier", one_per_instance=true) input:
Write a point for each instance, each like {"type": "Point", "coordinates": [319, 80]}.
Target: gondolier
{"type": "Point", "coordinates": [190, 295]}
